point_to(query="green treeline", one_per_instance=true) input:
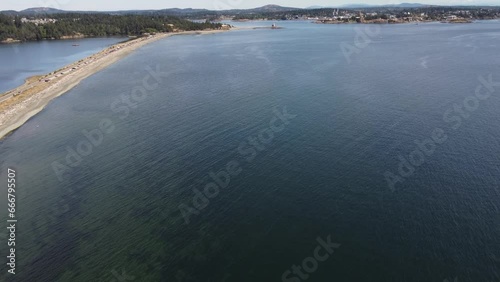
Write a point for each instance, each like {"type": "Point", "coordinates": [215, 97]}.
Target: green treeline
{"type": "Point", "coordinates": [92, 25]}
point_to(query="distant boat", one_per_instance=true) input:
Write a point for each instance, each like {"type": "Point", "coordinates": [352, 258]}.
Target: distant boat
{"type": "Point", "coordinates": [76, 45]}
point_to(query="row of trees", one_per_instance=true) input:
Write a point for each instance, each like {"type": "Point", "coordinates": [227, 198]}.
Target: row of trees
{"type": "Point", "coordinates": [93, 25]}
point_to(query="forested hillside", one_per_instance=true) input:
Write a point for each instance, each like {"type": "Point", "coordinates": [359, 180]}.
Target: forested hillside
{"type": "Point", "coordinates": [57, 26]}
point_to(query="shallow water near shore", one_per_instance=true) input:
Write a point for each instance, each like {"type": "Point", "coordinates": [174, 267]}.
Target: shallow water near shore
{"type": "Point", "coordinates": [23, 60]}
{"type": "Point", "coordinates": [321, 174]}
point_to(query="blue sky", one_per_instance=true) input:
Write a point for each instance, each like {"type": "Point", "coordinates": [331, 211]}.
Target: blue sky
{"type": "Point", "coordinates": [107, 5]}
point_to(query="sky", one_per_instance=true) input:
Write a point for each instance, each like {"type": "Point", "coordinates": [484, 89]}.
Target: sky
{"type": "Point", "coordinates": [114, 5]}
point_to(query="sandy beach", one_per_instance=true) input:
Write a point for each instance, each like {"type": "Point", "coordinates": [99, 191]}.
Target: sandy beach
{"type": "Point", "coordinates": [20, 104]}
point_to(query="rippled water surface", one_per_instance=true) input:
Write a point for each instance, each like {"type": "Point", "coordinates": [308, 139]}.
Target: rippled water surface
{"type": "Point", "coordinates": [300, 137]}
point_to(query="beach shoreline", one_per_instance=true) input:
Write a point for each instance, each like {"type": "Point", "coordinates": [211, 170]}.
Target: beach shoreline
{"type": "Point", "coordinates": [20, 104]}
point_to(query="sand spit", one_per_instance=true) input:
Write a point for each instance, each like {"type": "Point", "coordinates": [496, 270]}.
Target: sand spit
{"type": "Point", "coordinates": [20, 104]}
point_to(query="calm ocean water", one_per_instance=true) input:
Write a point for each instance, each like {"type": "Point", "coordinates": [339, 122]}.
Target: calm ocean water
{"type": "Point", "coordinates": [20, 61]}
{"type": "Point", "coordinates": [312, 172]}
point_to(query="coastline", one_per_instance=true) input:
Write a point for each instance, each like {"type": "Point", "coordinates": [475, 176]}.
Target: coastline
{"type": "Point", "coordinates": [378, 21]}
{"type": "Point", "coordinates": [383, 22]}
{"type": "Point", "coordinates": [21, 103]}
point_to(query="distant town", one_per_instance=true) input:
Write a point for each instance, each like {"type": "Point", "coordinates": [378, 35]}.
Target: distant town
{"type": "Point", "coordinates": [349, 14]}
{"type": "Point", "coordinates": [377, 15]}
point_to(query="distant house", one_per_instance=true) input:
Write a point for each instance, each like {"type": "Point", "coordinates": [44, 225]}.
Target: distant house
{"type": "Point", "coordinates": [38, 21]}
{"type": "Point", "coordinates": [452, 17]}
